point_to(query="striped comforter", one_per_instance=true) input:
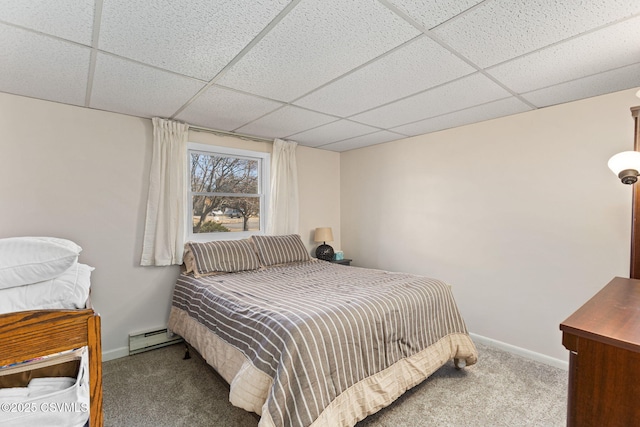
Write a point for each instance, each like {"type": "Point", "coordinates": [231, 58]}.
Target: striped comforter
{"type": "Point", "coordinates": [317, 328]}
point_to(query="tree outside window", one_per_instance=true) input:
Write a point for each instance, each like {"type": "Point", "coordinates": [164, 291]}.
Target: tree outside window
{"type": "Point", "coordinates": [225, 192]}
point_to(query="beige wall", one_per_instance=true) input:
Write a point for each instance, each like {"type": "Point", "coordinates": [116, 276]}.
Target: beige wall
{"type": "Point", "coordinates": [82, 174]}
{"type": "Point", "coordinates": [520, 214]}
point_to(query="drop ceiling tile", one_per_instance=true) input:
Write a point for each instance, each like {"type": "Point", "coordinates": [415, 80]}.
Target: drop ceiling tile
{"type": "Point", "coordinates": [130, 88]}
{"type": "Point", "coordinates": [335, 131]}
{"type": "Point", "coordinates": [284, 122]}
{"type": "Point", "coordinates": [192, 37]}
{"type": "Point", "coordinates": [463, 93]}
{"type": "Point", "coordinates": [42, 67]}
{"type": "Point", "coordinates": [363, 141]}
{"type": "Point", "coordinates": [225, 109]}
{"type": "Point", "coordinates": [316, 42]}
{"type": "Point", "coordinates": [479, 113]}
{"type": "Point", "coordinates": [611, 81]}
{"type": "Point", "coordinates": [69, 19]}
{"type": "Point", "coordinates": [417, 66]}
{"type": "Point", "coordinates": [613, 47]}
{"type": "Point", "coordinates": [429, 13]}
{"type": "Point", "coordinates": [500, 30]}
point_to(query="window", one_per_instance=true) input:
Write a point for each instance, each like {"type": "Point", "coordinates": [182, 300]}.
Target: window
{"type": "Point", "coordinates": [227, 192]}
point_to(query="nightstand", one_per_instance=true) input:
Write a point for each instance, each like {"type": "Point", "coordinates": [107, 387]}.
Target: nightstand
{"type": "Point", "coordinates": [345, 261]}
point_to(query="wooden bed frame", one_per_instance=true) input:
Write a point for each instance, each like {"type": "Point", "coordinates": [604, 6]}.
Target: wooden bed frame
{"type": "Point", "coordinates": [27, 335]}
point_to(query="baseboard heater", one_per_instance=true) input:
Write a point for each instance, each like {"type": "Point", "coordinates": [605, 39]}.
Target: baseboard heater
{"type": "Point", "coordinates": [150, 340]}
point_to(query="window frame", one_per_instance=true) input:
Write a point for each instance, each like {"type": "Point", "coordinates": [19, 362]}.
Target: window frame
{"type": "Point", "coordinates": [264, 162]}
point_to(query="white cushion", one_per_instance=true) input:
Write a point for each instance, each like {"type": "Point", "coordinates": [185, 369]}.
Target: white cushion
{"type": "Point", "coordinates": [26, 260]}
{"type": "Point", "coordinates": [70, 290]}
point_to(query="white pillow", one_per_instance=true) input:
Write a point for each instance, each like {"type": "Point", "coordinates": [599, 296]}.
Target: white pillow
{"type": "Point", "coordinates": [70, 290]}
{"type": "Point", "coordinates": [25, 260]}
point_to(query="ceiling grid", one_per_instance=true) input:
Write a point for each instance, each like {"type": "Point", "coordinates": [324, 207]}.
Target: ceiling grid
{"type": "Point", "coordinates": [331, 74]}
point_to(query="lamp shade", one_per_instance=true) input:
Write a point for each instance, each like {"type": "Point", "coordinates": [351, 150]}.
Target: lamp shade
{"type": "Point", "coordinates": [323, 234]}
{"type": "Point", "coordinates": [624, 161]}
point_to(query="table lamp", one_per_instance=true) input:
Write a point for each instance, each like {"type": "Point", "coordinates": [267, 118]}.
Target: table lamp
{"type": "Point", "coordinates": [324, 251]}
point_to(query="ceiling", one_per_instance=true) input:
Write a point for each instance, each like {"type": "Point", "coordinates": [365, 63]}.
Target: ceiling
{"type": "Point", "coordinates": [332, 74]}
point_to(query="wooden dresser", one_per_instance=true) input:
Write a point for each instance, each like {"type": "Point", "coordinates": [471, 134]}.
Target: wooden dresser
{"type": "Point", "coordinates": [603, 337]}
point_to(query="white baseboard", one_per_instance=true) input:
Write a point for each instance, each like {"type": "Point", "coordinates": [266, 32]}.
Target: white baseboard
{"type": "Point", "coordinates": [532, 355]}
{"type": "Point", "coordinates": [115, 354]}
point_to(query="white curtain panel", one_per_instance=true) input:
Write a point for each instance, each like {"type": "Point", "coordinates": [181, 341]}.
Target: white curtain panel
{"type": "Point", "coordinates": [283, 200]}
{"type": "Point", "coordinates": [164, 231]}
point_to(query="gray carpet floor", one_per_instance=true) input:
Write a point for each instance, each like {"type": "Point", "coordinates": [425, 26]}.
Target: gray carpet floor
{"type": "Point", "coordinates": [158, 389]}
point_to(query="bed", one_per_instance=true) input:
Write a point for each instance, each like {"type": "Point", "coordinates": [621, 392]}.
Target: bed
{"type": "Point", "coordinates": [50, 357]}
{"type": "Point", "coordinates": [304, 342]}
